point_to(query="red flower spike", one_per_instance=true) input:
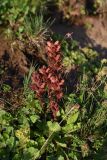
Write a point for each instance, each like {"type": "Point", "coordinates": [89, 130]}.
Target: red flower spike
{"type": "Point", "coordinates": [52, 47]}
{"type": "Point", "coordinates": [47, 70]}
{"type": "Point", "coordinates": [47, 80]}
{"type": "Point", "coordinates": [57, 57]}
{"type": "Point", "coordinates": [54, 107]}
{"type": "Point", "coordinates": [53, 79]}
{"type": "Point", "coordinates": [56, 43]}
{"type": "Point", "coordinates": [61, 82]}
{"type": "Point", "coordinates": [42, 70]}
{"type": "Point", "coordinates": [49, 44]}
{"type": "Point", "coordinates": [59, 95]}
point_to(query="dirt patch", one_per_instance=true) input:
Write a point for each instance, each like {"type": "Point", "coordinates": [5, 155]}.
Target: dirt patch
{"type": "Point", "coordinates": [12, 57]}
{"type": "Point", "coordinates": [13, 64]}
{"type": "Point", "coordinates": [89, 31]}
{"type": "Point", "coordinates": [13, 67]}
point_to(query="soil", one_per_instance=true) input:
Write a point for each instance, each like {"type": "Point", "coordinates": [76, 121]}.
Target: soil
{"type": "Point", "coordinates": [12, 61]}
{"type": "Point", "coordinates": [13, 66]}
{"type": "Point", "coordinates": [88, 31]}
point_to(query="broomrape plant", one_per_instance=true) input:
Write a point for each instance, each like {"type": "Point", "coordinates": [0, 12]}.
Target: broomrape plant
{"type": "Point", "coordinates": [47, 80]}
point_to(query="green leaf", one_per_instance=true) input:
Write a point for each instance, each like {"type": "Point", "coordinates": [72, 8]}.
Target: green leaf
{"type": "Point", "coordinates": [58, 114]}
{"type": "Point", "coordinates": [6, 88]}
{"type": "Point", "coordinates": [5, 135]}
{"type": "Point", "coordinates": [9, 129]}
{"type": "Point", "coordinates": [71, 128]}
{"type": "Point", "coordinates": [16, 157]}
{"type": "Point", "coordinates": [32, 150]}
{"type": "Point", "coordinates": [60, 158]}
{"type": "Point", "coordinates": [21, 29]}
{"type": "Point", "coordinates": [61, 144]}
{"type": "Point", "coordinates": [32, 143]}
{"type": "Point", "coordinates": [34, 118]}
{"type": "Point", "coordinates": [73, 117]}
{"type": "Point", "coordinates": [10, 142]}
{"type": "Point", "coordinates": [31, 153]}
{"type": "Point", "coordinates": [2, 112]}
{"type": "Point", "coordinates": [53, 127]}
{"type": "Point", "coordinates": [41, 140]}
{"type": "Point", "coordinates": [73, 155]}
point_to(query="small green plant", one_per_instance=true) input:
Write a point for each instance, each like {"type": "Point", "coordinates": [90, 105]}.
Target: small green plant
{"type": "Point", "coordinates": [71, 10]}
{"type": "Point", "coordinates": [15, 11]}
{"type": "Point", "coordinates": [6, 88]}
{"type": "Point", "coordinates": [31, 37]}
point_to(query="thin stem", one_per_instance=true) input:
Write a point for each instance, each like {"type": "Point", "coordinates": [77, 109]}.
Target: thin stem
{"type": "Point", "coordinates": [50, 136]}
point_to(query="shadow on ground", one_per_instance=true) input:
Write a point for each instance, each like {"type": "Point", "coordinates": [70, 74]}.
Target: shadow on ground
{"type": "Point", "coordinates": [94, 38]}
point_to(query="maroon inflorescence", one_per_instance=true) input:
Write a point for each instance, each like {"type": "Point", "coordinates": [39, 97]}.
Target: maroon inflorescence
{"type": "Point", "coordinates": [47, 80]}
